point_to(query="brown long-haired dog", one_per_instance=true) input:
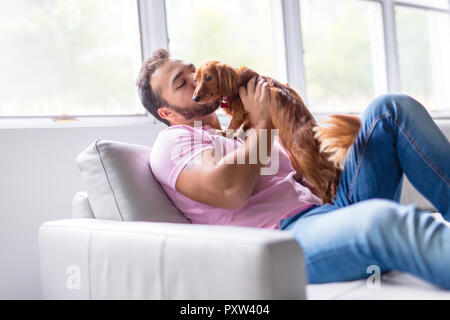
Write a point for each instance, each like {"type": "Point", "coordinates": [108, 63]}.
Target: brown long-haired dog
{"type": "Point", "coordinates": [317, 153]}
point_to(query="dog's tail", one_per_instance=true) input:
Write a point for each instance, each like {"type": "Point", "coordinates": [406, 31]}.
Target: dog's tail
{"type": "Point", "coordinates": [337, 137]}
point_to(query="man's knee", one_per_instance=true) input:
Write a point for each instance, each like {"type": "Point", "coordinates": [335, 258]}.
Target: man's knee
{"type": "Point", "coordinates": [394, 104]}
{"type": "Point", "coordinates": [381, 219]}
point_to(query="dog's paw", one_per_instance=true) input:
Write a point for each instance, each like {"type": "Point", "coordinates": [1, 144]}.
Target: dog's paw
{"type": "Point", "coordinates": [241, 132]}
{"type": "Point", "coordinates": [222, 132]}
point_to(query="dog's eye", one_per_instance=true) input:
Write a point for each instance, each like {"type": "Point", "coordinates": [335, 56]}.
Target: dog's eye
{"type": "Point", "coordinates": [208, 78]}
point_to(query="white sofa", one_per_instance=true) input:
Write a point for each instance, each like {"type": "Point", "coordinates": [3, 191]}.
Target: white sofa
{"type": "Point", "coordinates": [127, 241]}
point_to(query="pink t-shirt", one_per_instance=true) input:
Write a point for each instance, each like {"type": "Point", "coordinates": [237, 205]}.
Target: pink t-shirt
{"type": "Point", "coordinates": [277, 195]}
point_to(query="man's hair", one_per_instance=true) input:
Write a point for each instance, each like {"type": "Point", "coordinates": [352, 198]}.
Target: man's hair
{"type": "Point", "coordinates": [152, 100]}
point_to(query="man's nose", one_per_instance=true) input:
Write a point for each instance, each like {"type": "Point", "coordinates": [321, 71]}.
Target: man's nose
{"type": "Point", "coordinates": [196, 98]}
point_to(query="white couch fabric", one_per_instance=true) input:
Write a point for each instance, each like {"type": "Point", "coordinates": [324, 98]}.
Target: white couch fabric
{"type": "Point", "coordinates": [393, 286]}
{"type": "Point", "coordinates": [105, 259]}
{"type": "Point", "coordinates": [81, 208]}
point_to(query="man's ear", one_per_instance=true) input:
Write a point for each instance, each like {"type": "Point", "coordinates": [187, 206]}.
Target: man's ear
{"type": "Point", "coordinates": [165, 113]}
{"type": "Point", "coordinates": [228, 79]}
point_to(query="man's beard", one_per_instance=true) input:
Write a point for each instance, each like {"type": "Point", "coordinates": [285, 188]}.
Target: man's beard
{"type": "Point", "coordinates": [196, 110]}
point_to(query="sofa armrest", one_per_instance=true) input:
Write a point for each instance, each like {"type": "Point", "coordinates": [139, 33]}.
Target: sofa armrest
{"type": "Point", "coordinates": [105, 259]}
{"type": "Point", "coordinates": [81, 208]}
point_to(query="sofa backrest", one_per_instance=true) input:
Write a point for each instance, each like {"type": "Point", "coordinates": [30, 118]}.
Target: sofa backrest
{"type": "Point", "coordinates": [121, 186]}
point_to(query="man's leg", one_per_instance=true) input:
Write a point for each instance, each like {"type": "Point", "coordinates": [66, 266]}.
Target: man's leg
{"type": "Point", "coordinates": [397, 135]}
{"type": "Point", "coordinates": [341, 244]}
{"type": "Point", "coordinates": [340, 241]}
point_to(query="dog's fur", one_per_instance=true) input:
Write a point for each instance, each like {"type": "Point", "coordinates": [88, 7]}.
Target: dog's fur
{"type": "Point", "coordinates": [317, 153]}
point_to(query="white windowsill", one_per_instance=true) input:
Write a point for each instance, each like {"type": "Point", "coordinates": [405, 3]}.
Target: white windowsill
{"type": "Point", "coordinates": [434, 114]}
{"type": "Point", "coordinates": [32, 122]}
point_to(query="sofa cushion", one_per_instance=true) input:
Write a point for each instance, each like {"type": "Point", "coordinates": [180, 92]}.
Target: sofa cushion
{"type": "Point", "coordinates": [121, 186]}
{"type": "Point", "coordinates": [394, 285]}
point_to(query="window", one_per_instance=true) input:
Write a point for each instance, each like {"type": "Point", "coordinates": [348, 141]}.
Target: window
{"type": "Point", "coordinates": [236, 32]}
{"type": "Point", "coordinates": [349, 57]}
{"type": "Point", "coordinates": [343, 52]}
{"type": "Point", "coordinates": [202, 30]}
{"type": "Point", "coordinates": [424, 55]}
{"type": "Point", "coordinates": [69, 57]}
{"type": "Point", "coordinates": [82, 57]}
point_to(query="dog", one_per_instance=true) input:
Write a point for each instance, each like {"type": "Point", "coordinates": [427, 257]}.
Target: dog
{"type": "Point", "coordinates": [317, 153]}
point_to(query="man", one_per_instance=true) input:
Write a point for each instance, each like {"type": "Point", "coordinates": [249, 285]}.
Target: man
{"type": "Point", "coordinates": [364, 226]}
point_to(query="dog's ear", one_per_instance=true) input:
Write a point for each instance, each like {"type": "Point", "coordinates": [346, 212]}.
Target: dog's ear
{"type": "Point", "coordinates": [228, 79]}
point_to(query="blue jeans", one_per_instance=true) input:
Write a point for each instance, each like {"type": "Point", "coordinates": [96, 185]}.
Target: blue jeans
{"type": "Point", "coordinates": [367, 225]}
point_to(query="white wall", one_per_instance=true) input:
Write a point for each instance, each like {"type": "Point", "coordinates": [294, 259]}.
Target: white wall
{"type": "Point", "coordinates": [38, 178]}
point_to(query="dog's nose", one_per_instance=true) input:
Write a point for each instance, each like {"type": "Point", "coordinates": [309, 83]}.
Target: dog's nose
{"type": "Point", "coordinates": [196, 98]}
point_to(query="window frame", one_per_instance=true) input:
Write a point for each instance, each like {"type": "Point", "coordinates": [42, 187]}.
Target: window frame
{"type": "Point", "coordinates": [153, 35]}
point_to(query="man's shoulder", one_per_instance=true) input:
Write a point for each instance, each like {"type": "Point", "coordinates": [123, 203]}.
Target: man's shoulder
{"type": "Point", "coordinates": [173, 148]}
{"type": "Point", "coordinates": [175, 130]}
{"type": "Point", "coordinates": [162, 151]}
{"type": "Point", "coordinates": [171, 134]}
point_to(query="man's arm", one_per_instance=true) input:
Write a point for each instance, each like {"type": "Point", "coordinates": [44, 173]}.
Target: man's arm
{"type": "Point", "coordinates": [224, 182]}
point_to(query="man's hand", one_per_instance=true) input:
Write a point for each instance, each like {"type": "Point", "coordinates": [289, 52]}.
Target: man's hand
{"type": "Point", "coordinates": [256, 99]}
